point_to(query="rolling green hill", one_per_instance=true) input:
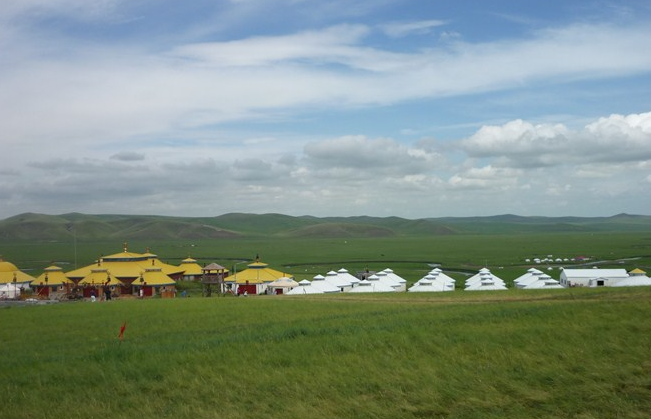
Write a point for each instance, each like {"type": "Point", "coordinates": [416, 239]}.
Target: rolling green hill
{"type": "Point", "coordinates": [41, 227]}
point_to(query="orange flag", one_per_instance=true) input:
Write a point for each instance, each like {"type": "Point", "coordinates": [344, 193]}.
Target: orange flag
{"type": "Point", "coordinates": [121, 335]}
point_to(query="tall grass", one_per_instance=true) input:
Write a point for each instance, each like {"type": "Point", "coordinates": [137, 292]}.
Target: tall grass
{"type": "Point", "coordinates": [570, 353]}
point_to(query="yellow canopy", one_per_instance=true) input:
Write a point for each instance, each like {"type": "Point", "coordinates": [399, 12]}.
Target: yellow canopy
{"type": "Point", "coordinates": [52, 275]}
{"type": "Point", "coordinates": [100, 276]}
{"type": "Point", "coordinates": [257, 273]}
{"type": "Point", "coordinates": [9, 273]}
{"type": "Point", "coordinates": [154, 277]}
{"type": "Point", "coordinates": [126, 265]}
{"type": "Point", "coordinates": [191, 267]}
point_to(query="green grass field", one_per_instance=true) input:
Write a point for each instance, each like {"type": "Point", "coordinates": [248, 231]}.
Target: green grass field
{"type": "Point", "coordinates": [577, 353]}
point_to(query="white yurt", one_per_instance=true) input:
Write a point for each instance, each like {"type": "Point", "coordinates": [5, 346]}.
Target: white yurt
{"type": "Point", "coordinates": [542, 281]}
{"type": "Point", "coordinates": [304, 287]}
{"type": "Point", "coordinates": [372, 284]}
{"type": "Point", "coordinates": [320, 282]}
{"type": "Point", "coordinates": [282, 285]}
{"type": "Point", "coordinates": [485, 281]}
{"type": "Point", "coordinates": [338, 281]}
{"type": "Point", "coordinates": [397, 278]}
{"type": "Point", "coordinates": [343, 273]}
{"type": "Point", "coordinates": [429, 283]}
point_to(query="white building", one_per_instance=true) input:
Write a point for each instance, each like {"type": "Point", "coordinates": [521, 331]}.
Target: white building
{"type": "Point", "coordinates": [484, 280]}
{"type": "Point", "coordinates": [592, 277]}
{"type": "Point", "coordinates": [542, 281]}
{"type": "Point", "coordinates": [636, 278]}
{"type": "Point", "coordinates": [372, 284]}
{"type": "Point", "coordinates": [304, 287]}
{"type": "Point", "coordinates": [397, 278]}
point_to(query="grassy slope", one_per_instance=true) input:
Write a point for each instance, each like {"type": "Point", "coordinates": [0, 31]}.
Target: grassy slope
{"type": "Point", "coordinates": [39, 227]}
{"type": "Point", "coordinates": [565, 354]}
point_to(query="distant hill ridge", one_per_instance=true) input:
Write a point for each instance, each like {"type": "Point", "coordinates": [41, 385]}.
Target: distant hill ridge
{"type": "Point", "coordinates": [31, 226]}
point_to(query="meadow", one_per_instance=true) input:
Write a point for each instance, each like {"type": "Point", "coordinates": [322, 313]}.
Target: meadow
{"type": "Point", "coordinates": [408, 256]}
{"type": "Point", "coordinates": [576, 353]}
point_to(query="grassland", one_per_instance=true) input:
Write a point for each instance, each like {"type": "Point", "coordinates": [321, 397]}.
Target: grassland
{"type": "Point", "coordinates": [408, 256]}
{"type": "Point", "coordinates": [580, 353]}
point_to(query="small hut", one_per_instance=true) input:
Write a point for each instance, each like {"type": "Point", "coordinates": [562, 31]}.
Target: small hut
{"type": "Point", "coordinates": [153, 281]}
{"type": "Point", "coordinates": [191, 269]}
{"type": "Point", "coordinates": [52, 283]}
{"type": "Point", "coordinates": [282, 285]}
{"type": "Point", "coordinates": [98, 281]}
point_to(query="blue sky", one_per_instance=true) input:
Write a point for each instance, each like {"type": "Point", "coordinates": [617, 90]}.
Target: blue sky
{"type": "Point", "coordinates": [387, 107]}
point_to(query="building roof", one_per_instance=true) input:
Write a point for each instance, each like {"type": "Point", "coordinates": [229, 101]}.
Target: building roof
{"type": "Point", "coordinates": [256, 273]}
{"type": "Point", "coordinates": [154, 276]}
{"type": "Point", "coordinates": [304, 287]}
{"type": "Point", "coordinates": [54, 276]}
{"type": "Point", "coordinates": [9, 272]}
{"type": "Point", "coordinates": [191, 267]}
{"type": "Point", "coordinates": [595, 273]}
{"type": "Point", "coordinates": [100, 276]}
{"type": "Point", "coordinates": [283, 282]}
{"type": "Point", "coordinates": [126, 265]}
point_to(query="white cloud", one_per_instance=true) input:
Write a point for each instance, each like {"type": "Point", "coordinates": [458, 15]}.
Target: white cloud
{"type": "Point", "coordinates": [400, 29]}
{"type": "Point", "coordinates": [615, 138]}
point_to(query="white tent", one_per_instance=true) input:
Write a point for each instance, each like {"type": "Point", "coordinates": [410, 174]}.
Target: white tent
{"type": "Point", "coordinates": [372, 284]}
{"type": "Point", "coordinates": [542, 281]}
{"type": "Point", "coordinates": [338, 281]}
{"type": "Point", "coordinates": [385, 279]}
{"type": "Point", "coordinates": [477, 277]}
{"type": "Point", "coordinates": [9, 291]}
{"type": "Point", "coordinates": [485, 281]}
{"type": "Point", "coordinates": [400, 280]}
{"type": "Point", "coordinates": [441, 276]}
{"type": "Point", "coordinates": [343, 273]}
{"type": "Point", "coordinates": [282, 285]}
{"type": "Point", "coordinates": [633, 281]}
{"type": "Point", "coordinates": [304, 287]}
{"type": "Point", "coordinates": [319, 282]}
{"type": "Point", "coordinates": [431, 285]}
{"type": "Point", "coordinates": [529, 277]}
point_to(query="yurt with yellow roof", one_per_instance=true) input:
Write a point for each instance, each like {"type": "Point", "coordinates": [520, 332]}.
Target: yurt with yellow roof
{"type": "Point", "coordinates": [153, 281]}
{"type": "Point", "coordinates": [254, 279]}
{"type": "Point", "coordinates": [53, 282]}
{"type": "Point", "coordinates": [192, 271]}
{"type": "Point", "coordinates": [127, 267]}
{"type": "Point", "coordinates": [10, 274]}
{"type": "Point", "coordinates": [98, 281]}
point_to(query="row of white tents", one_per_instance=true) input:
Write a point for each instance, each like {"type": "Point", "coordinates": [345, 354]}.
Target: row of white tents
{"type": "Point", "coordinates": [484, 280]}
{"type": "Point", "coordinates": [343, 281]}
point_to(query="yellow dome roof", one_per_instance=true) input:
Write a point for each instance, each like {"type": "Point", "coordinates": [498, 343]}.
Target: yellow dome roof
{"type": "Point", "coordinates": [7, 266]}
{"type": "Point", "coordinates": [54, 275]}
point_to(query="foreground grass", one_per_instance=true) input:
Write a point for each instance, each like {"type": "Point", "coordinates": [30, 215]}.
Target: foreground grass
{"type": "Point", "coordinates": [564, 354]}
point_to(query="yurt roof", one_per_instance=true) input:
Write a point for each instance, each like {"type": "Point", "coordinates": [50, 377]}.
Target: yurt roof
{"type": "Point", "coordinates": [256, 275]}
{"type": "Point", "coordinates": [125, 266]}
{"type": "Point", "coordinates": [9, 272]}
{"type": "Point", "coordinates": [283, 282]}
{"type": "Point", "coordinates": [154, 276]}
{"type": "Point", "coordinates": [191, 268]}
{"type": "Point", "coordinates": [100, 277]}
{"type": "Point", "coordinates": [54, 275]}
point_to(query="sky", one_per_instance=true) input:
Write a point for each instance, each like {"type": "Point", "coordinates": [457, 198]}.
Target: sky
{"type": "Point", "coordinates": [404, 108]}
